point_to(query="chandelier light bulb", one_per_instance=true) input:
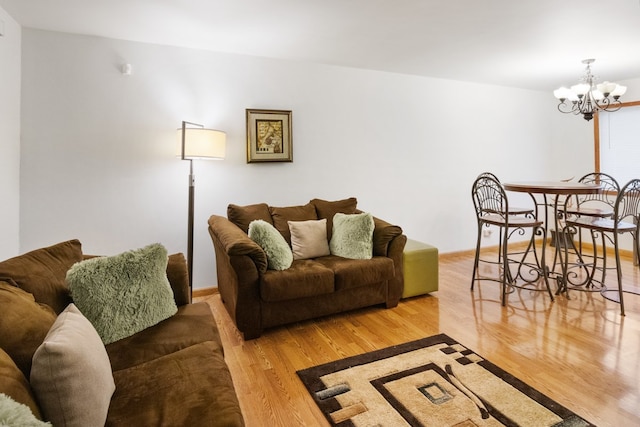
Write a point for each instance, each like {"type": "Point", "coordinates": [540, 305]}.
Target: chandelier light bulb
{"type": "Point", "coordinates": [587, 98]}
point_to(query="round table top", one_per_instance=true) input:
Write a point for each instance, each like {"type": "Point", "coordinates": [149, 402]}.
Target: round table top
{"type": "Point", "coordinates": [552, 187]}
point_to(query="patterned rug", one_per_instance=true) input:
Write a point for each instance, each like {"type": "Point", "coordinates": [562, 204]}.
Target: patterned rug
{"type": "Point", "coordinates": [434, 381]}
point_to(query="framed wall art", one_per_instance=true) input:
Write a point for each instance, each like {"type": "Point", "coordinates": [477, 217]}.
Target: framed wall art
{"type": "Point", "coordinates": [269, 136]}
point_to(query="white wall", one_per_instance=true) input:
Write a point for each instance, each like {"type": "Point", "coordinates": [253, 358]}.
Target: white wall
{"type": "Point", "coordinates": [98, 147]}
{"type": "Point", "coordinates": [10, 46]}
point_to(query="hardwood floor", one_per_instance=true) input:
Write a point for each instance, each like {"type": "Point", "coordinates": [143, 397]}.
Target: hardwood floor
{"type": "Point", "coordinates": [578, 351]}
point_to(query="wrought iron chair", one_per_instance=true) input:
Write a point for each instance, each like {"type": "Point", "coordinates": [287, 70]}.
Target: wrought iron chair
{"type": "Point", "coordinates": [492, 209]}
{"type": "Point", "coordinates": [595, 205]}
{"type": "Point", "coordinates": [625, 219]}
{"type": "Point", "coordinates": [513, 210]}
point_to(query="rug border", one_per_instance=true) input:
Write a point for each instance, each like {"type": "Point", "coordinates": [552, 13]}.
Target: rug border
{"type": "Point", "coordinates": [310, 377]}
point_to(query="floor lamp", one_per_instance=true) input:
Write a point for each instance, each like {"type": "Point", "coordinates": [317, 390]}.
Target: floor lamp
{"type": "Point", "coordinates": [196, 142]}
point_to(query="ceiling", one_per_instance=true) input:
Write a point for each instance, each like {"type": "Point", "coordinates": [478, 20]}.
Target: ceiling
{"type": "Point", "coordinates": [531, 44]}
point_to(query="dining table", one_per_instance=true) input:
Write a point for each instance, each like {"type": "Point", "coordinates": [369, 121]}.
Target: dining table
{"type": "Point", "coordinates": [555, 189]}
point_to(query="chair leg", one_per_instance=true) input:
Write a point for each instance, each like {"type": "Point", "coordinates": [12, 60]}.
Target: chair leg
{"type": "Point", "coordinates": [477, 257]}
{"type": "Point", "coordinates": [619, 271]}
{"type": "Point", "coordinates": [506, 272]}
{"type": "Point", "coordinates": [543, 265]}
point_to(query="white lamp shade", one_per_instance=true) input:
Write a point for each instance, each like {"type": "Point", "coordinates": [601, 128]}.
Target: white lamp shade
{"type": "Point", "coordinates": [202, 143]}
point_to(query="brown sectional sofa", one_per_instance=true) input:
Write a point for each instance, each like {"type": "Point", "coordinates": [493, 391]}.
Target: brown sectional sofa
{"type": "Point", "coordinates": [258, 298]}
{"type": "Point", "coordinates": [170, 374]}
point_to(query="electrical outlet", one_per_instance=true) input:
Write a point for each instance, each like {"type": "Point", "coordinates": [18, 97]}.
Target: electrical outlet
{"type": "Point", "coordinates": [486, 232]}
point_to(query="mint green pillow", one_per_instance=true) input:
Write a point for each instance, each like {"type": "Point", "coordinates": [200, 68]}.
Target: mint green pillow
{"type": "Point", "coordinates": [125, 293]}
{"type": "Point", "coordinates": [279, 255]}
{"type": "Point", "coordinates": [13, 413]}
{"type": "Point", "coordinates": [352, 236]}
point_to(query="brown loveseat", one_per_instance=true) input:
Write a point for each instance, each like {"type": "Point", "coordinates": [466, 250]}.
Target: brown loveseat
{"type": "Point", "coordinates": [257, 297]}
{"type": "Point", "coordinates": [170, 374]}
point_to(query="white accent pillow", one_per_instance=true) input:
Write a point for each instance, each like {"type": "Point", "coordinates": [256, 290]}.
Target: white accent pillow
{"type": "Point", "coordinates": [309, 238]}
{"type": "Point", "coordinates": [71, 373]}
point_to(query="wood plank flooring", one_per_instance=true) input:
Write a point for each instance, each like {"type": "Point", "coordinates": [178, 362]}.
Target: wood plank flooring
{"type": "Point", "coordinates": [578, 351]}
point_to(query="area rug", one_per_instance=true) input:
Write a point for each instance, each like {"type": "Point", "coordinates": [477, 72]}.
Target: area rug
{"type": "Point", "coordinates": [434, 381]}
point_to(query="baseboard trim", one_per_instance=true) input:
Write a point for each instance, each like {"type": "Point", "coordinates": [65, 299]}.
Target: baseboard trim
{"type": "Point", "coordinates": [205, 292]}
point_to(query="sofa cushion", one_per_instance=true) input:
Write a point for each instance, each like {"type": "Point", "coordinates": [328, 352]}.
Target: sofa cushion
{"type": "Point", "coordinates": [125, 293]}
{"type": "Point", "coordinates": [279, 256]}
{"type": "Point", "coordinates": [71, 374]}
{"type": "Point", "coordinates": [243, 215]}
{"type": "Point", "coordinates": [327, 209]}
{"type": "Point", "coordinates": [309, 238]}
{"type": "Point", "coordinates": [352, 236]}
{"type": "Point", "coordinates": [14, 384]}
{"type": "Point", "coordinates": [352, 273]}
{"type": "Point", "coordinates": [282, 216]}
{"type": "Point", "coordinates": [192, 324]}
{"type": "Point", "coordinates": [191, 387]}
{"type": "Point", "coordinates": [305, 278]}
{"type": "Point", "coordinates": [23, 325]}
{"type": "Point", "coordinates": [16, 414]}
{"type": "Point", "coordinates": [42, 272]}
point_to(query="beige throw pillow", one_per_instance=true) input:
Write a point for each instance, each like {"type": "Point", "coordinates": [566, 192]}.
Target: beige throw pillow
{"type": "Point", "coordinates": [309, 239]}
{"type": "Point", "coordinates": [71, 373]}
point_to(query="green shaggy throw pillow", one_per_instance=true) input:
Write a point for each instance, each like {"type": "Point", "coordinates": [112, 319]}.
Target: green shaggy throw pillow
{"type": "Point", "coordinates": [13, 413]}
{"type": "Point", "coordinates": [123, 294]}
{"type": "Point", "coordinates": [352, 236]}
{"type": "Point", "coordinates": [279, 255]}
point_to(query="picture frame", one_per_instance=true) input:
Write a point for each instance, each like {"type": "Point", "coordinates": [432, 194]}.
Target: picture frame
{"type": "Point", "coordinates": [269, 136]}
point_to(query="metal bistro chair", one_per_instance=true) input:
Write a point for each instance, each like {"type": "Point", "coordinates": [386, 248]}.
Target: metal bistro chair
{"type": "Point", "coordinates": [492, 207]}
{"type": "Point", "coordinates": [513, 210]}
{"type": "Point", "coordinates": [625, 219]}
{"type": "Point", "coordinates": [597, 205]}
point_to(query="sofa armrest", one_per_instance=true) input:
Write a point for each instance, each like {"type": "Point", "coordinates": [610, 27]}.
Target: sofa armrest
{"type": "Point", "coordinates": [383, 234]}
{"type": "Point", "coordinates": [239, 264]}
{"type": "Point", "coordinates": [178, 276]}
{"type": "Point", "coordinates": [236, 242]}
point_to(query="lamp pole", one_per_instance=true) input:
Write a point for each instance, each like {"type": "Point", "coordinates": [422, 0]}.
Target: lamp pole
{"type": "Point", "coordinates": [202, 144]}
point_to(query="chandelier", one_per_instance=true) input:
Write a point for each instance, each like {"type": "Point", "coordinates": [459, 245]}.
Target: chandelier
{"type": "Point", "coordinates": [586, 98]}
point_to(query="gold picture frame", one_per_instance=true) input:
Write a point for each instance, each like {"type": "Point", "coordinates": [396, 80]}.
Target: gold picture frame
{"type": "Point", "coordinates": [269, 136]}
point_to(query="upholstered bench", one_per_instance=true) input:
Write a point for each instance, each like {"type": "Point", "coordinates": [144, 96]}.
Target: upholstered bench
{"type": "Point", "coordinates": [420, 268]}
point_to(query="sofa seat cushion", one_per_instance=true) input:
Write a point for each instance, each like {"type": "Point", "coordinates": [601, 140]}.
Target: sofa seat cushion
{"type": "Point", "coordinates": [352, 273]}
{"type": "Point", "coordinates": [192, 324]}
{"type": "Point", "coordinates": [191, 387]}
{"type": "Point", "coordinates": [305, 278]}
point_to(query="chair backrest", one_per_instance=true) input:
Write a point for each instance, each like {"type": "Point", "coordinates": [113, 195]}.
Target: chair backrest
{"type": "Point", "coordinates": [488, 195]}
{"type": "Point", "coordinates": [488, 174]}
{"type": "Point", "coordinates": [628, 202]}
{"type": "Point", "coordinates": [609, 192]}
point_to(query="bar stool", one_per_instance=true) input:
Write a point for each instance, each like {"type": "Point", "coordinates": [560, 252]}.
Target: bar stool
{"type": "Point", "coordinates": [492, 208]}
{"type": "Point", "coordinates": [625, 219]}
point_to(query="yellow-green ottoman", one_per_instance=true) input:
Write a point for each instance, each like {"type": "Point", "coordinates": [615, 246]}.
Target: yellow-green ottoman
{"type": "Point", "coordinates": [420, 268]}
